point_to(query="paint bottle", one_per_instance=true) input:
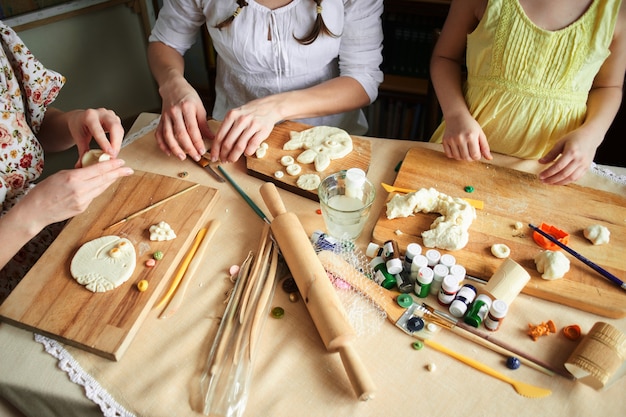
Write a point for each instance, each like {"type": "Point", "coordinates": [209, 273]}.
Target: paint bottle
{"type": "Point", "coordinates": [458, 271]}
{"type": "Point", "coordinates": [449, 288]}
{"type": "Point", "coordinates": [478, 310]}
{"type": "Point", "coordinates": [391, 255]}
{"type": "Point", "coordinates": [403, 283]}
{"type": "Point", "coordinates": [433, 256]}
{"type": "Point", "coordinates": [423, 282]}
{"type": "Point", "coordinates": [496, 314]}
{"type": "Point", "coordinates": [412, 250]}
{"type": "Point", "coordinates": [440, 271]}
{"type": "Point", "coordinates": [464, 297]}
{"type": "Point", "coordinates": [373, 250]}
{"type": "Point", "coordinates": [381, 276]}
{"type": "Point", "coordinates": [447, 260]}
{"type": "Point", "coordinates": [419, 261]}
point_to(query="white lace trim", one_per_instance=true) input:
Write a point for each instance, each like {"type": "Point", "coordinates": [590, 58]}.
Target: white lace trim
{"type": "Point", "coordinates": [142, 132]}
{"type": "Point", "coordinates": [607, 173]}
{"type": "Point", "coordinates": [93, 390]}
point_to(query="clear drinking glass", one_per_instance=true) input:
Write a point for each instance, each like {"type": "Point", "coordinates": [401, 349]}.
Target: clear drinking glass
{"type": "Point", "coordinates": [346, 198]}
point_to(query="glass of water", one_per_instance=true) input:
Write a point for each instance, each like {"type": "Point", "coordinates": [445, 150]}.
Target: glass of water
{"type": "Point", "coordinates": [346, 198]}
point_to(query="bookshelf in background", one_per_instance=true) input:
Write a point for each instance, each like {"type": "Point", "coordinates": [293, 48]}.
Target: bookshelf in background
{"type": "Point", "coordinates": [406, 107]}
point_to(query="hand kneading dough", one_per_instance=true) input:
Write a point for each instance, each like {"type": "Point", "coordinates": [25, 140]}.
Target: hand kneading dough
{"type": "Point", "coordinates": [104, 263]}
{"type": "Point", "coordinates": [597, 234]}
{"type": "Point", "coordinates": [552, 264]}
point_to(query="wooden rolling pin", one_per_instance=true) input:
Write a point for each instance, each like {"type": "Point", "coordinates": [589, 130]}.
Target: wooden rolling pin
{"type": "Point", "coordinates": [317, 291]}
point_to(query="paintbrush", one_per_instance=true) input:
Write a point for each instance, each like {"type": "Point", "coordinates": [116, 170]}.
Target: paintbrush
{"type": "Point", "coordinates": [595, 267]}
{"type": "Point", "coordinates": [245, 196]}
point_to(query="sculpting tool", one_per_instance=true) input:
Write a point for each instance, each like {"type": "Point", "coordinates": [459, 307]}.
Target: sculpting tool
{"type": "Point", "coordinates": [595, 267]}
{"type": "Point", "coordinates": [176, 301]}
{"type": "Point", "coordinates": [153, 205]}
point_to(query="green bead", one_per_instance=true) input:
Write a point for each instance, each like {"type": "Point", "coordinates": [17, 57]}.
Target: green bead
{"type": "Point", "coordinates": [418, 344]}
{"type": "Point", "coordinates": [469, 189]}
{"type": "Point", "coordinates": [278, 312]}
{"type": "Point", "coordinates": [158, 255]}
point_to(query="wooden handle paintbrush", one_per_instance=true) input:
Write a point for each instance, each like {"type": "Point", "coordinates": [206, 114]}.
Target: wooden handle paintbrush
{"type": "Point", "coordinates": [317, 291]}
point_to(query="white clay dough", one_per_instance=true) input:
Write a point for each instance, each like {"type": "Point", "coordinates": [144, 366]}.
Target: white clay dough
{"type": "Point", "coordinates": [94, 156]}
{"type": "Point", "coordinates": [552, 264]}
{"type": "Point", "coordinates": [500, 250]}
{"type": "Point", "coordinates": [262, 150]}
{"type": "Point", "coordinates": [308, 182]}
{"type": "Point", "coordinates": [321, 144]}
{"type": "Point", "coordinates": [104, 263]}
{"type": "Point", "coordinates": [161, 231]}
{"type": "Point", "coordinates": [450, 231]}
{"type": "Point", "coordinates": [293, 169]}
{"type": "Point", "coordinates": [597, 234]}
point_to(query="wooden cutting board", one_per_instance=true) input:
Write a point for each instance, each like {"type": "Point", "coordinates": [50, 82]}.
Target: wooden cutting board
{"type": "Point", "coordinates": [264, 168]}
{"type": "Point", "coordinates": [49, 301]}
{"type": "Point", "coordinates": [512, 196]}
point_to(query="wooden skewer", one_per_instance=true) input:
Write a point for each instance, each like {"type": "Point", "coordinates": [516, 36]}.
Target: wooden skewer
{"type": "Point", "coordinates": [254, 285]}
{"type": "Point", "coordinates": [176, 301]}
{"type": "Point", "coordinates": [151, 206]}
{"type": "Point", "coordinates": [266, 292]}
{"type": "Point", "coordinates": [262, 256]}
{"type": "Point", "coordinates": [223, 336]}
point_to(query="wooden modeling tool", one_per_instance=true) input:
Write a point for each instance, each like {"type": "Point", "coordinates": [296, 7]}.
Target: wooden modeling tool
{"type": "Point", "coordinates": [177, 299]}
{"type": "Point", "coordinates": [385, 300]}
{"type": "Point", "coordinates": [317, 291]}
{"type": "Point", "coordinates": [153, 205]}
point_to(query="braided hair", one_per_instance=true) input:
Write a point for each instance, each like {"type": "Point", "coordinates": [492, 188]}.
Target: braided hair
{"type": "Point", "coordinates": [240, 5]}
{"type": "Point", "coordinates": [318, 27]}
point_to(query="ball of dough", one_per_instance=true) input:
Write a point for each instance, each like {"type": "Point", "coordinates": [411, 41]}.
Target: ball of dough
{"type": "Point", "coordinates": [597, 234]}
{"type": "Point", "coordinates": [551, 264]}
{"type": "Point", "coordinates": [94, 156]}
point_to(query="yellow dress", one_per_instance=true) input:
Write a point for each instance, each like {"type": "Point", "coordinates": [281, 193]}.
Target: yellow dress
{"type": "Point", "coordinates": [527, 86]}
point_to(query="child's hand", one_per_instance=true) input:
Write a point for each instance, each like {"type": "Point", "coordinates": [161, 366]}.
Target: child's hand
{"type": "Point", "coordinates": [464, 139]}
{"type": "Point", "coordinates": [572, 157]}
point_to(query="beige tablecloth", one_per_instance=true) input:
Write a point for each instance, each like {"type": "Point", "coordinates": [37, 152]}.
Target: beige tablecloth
{"type": "Point", "coordinates": [293, 373]}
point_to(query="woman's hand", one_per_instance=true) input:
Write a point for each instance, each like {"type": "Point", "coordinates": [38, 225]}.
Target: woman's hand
{"type": "Point", "coordinates": [183, 125]}
{"type": "Point", "coordinates": [244, 128]}
{"type": "Point", "coordinates": [67, 193]}
{"type": "Point", "coordinates": [95, 123]}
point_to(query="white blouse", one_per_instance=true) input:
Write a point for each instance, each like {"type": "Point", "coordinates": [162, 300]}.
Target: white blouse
{"type": "Point", "coordinates": [259, 56]}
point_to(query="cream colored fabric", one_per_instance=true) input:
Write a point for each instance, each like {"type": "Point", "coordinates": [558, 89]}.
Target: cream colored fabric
{"type": "Point", "coordinates": [294, 374]}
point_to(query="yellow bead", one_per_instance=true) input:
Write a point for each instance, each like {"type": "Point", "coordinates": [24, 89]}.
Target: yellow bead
{"type": "Point", "coordinates": [142, 285]}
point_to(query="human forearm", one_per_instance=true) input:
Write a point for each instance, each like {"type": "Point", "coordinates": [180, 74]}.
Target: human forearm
{"type": "Point", "coordinates": [165, 64]}
{"type": "Point", "coordinates": [54, 134]}
{"type": "Point", "coordinates": [17, 227]}
{"type": "Point", "coordinates": [337, 95]}
{"type": "Point", "coordinates": [602, 106]}
{"type": "Point", "coordinates": [447, 80]}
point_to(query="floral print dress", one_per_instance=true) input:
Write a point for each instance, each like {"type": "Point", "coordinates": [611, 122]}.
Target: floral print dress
{"type": "Point", "coordinates": [26, 90]}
